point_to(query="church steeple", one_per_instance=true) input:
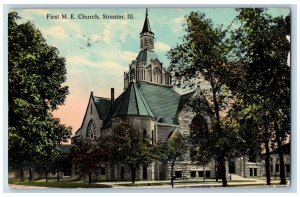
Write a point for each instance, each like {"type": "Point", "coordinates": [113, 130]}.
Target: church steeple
{"type": "Point", "coordinates": [147, 36]}
{"type": "Point", "coordinates": [147, 68]}
{"type": "Point", "coordinates": [146, 27]}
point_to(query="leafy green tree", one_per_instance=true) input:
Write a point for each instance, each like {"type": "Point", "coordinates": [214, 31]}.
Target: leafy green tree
{"type": "Point", "coordinates": [200, 142]}
{"type": "Point", "coordinates": [252, 123]}
{"type": "Point", "coordinates": [61, 160]}
{"type": "Point", "coordinates": [261, 50]}
{"type": "Point", "coordinates": [88, 156]}
{"type": "Point", "coordinates": [131, 147]}
{"type": "Point", "coordinates": [172, 150]}
{"type": "Point", "coordinates": [202, 54]}
{"type": "Point", "coordinates": [35, 77]}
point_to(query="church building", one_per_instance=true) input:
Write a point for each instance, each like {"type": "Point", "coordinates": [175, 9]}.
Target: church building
{"type": "Point", "coordinates": [155, 108]}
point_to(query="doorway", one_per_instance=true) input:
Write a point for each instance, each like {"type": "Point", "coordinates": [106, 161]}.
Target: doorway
{"type": "Point", "coordinates": [144, 172]}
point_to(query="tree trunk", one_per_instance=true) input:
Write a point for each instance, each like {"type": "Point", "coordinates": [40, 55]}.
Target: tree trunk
{"type": "Point", "coordinates": [133, 169]}
{"type": "Point", "coordinates": [223, 171]}
{"type": "Point", "coordinates": [30, 175]}
{"type": "Point", "coordinates": [275, 177]}
{"type": "Point", "coordinates": [203, 173]}
{"type": "Point", "coordinates": [282, 169]}
{"type": "Point", "coordinates": [21, 174]}
{"type": "Point", "coordinates": [46, 176]}
{"type": "Point", "coordinates": [280, 153]}
{"type": "Point", "coordinates": [57, 176]}
{"type": "Point", "coordinates": [219, 130]}
{"type": "Point", "coordinates": [216, 169]}
{"type": "Point", "coordinates": [90, 178]}
{"type": "Point", "coordinates": [172, 170]}
{"type": "Point", "coordinates": [267, 162]}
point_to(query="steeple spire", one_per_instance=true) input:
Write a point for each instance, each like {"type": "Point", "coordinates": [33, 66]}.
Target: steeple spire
{"type": "Point", "coordinates": [146, 27]}
{"type": "Point", "coordinates": [147, 36]}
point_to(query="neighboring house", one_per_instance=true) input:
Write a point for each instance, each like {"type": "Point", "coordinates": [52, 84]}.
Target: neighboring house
{"type": "Point", "coordinates": [38, 173]}
{"type": "Point", "coordinates": [274, 162]}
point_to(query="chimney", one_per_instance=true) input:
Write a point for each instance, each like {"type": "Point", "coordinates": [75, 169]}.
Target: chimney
{"type": "Point", "coordinates": [112, 93]}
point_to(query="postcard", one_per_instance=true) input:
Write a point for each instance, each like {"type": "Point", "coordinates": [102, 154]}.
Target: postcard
{"type": "Point", "coordinates": [185, 97]}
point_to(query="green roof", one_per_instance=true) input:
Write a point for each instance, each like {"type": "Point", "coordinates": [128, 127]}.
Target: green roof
{"type": "Point", "coordinates": [146, 99]}
{"type": "Point", "coordinates": [103, 106]}
{"type": "Point", "coordinates": [162, 100]}
{"type": "Point", "coordinates": [131, 102]}
{"type": "Point", "coordinates": [146, 56]}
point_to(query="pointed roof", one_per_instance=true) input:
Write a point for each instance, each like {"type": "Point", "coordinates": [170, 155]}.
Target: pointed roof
{"type": "Point", "coordinates": [131, 102]}
{"type": "Point", "coordinates": [103, 106]}
{"type": "Point", "coordinates": [146, 56]}
{"type": "Point", "coordinates": [146, 27]}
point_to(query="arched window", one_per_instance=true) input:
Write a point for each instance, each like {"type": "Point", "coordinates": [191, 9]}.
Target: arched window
{"type": "Point", "coordinates": [198, 135]}
{"type": "Point", "coordinates": [152, 136]}
{"type": "Point", "coordinates": [146, 41]}
{"type": "Point", "coordinates": [91, 131]}
{"type": "Point", "coordinates": [151, 41]}
{"type": "Point", "coordinates": [144, 135]}
{"type": "Point", "coordinates": [156, 75]}
{"type": "Point", "coordinates": [132, 74]}
{"type": "Point", "coordinates": [199, 127]}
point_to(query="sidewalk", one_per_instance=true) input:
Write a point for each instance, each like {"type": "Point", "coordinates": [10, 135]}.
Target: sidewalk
{"type": "Point", "coordinates": [192, 183]}
{"type": "Point", "coordinates": [13, 186]}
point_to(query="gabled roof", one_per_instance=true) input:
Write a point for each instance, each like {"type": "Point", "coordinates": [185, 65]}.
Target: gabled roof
{"type": "Point", "coordinates": [131, 102]}
{"type": "Point", "coordinates": [162, 100]}
{"type": "Point", "coordinates": [103, 106]}
{"type": "Point", "coordinates": [183, 100]}
{"type": "Point", "coordinates": [146, 56]}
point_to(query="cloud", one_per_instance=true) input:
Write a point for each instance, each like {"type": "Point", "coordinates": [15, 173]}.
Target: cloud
{"type": "Point", "coordinates": [128, 56]}
{"type": "Point", "coordinates": [180, 9]}
{"type": "Point", "coordinates": [124, 57]}
{"type": "Point", "coordinates": [111, 66]}
{"type": "Point", "coordinates": [107, 35]}
{"type": "Point", "coordinates": [160, 46]}
{"type": "Point", "coordinates": [73, 27]}
{"type": "Point", "coordinates": [179, 20]}
{"type": "Point", "coordinates": [95, 37]}
{"type": "Point", "coordinates": [176, 24]}
{"type": "Point", "coordinates": [54, 31]}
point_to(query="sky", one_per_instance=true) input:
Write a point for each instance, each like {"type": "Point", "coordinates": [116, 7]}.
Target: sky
{"type": "Point", "coordinates": [98, 51]}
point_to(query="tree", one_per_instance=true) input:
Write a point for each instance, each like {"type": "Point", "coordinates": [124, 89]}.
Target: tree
{"type": "Point", "coordinates": [261, 48]}
{"type": "Point", "coordinates": [203, 54]}
{"type": "Point", "coordinates": [35, 77]}
{"type": "Point", "coordinates": [131, 147]}
{"type": "Point", "coordinates": [200, 142]}
{"type": "Point", "coordinates": [173, 150]}
{"type": "Point", "coordinates": [88, 157]}
{"type": "Point", "coordinates": [61, 161]}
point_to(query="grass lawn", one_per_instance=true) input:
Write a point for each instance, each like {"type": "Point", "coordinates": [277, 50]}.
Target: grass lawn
{"type": "Point", "coordinates": [181, 182]}
{"type": "Point", "coordinates": [62, 184]}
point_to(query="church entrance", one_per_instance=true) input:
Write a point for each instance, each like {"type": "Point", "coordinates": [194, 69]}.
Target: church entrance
{"type": "Point", "coordinates": [231, 167]}
{"type": "Point", "coordinates": [144, 172]}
